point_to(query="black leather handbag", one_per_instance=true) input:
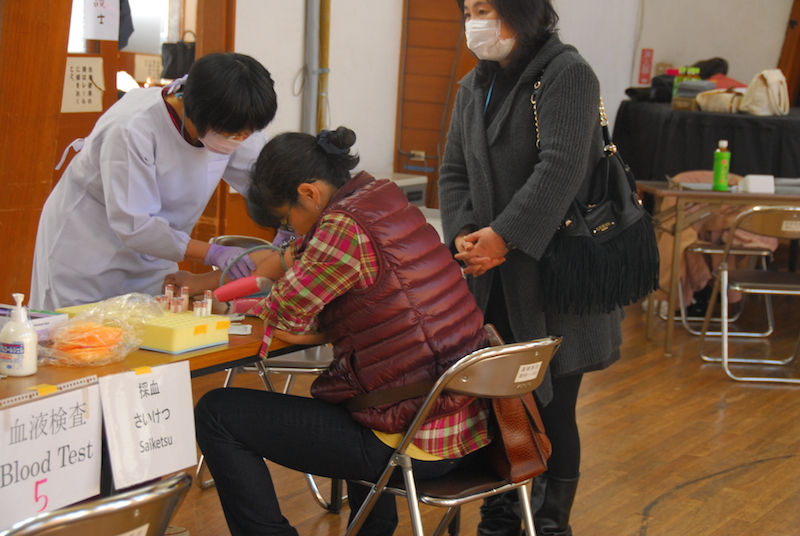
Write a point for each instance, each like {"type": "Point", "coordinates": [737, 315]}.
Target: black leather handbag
{"type": "Point", "coordinates": [604, 254]}
{"type": "Point", "coordinates": [178, 57]}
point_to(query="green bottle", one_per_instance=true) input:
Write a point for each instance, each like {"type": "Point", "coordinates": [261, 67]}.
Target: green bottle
{"type": "Point", "coordinates": [722, 165]}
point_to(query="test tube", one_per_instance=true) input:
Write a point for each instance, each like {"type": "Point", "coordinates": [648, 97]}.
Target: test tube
{"type": "Point", "coordinates": [199, 308]}
{"type": "Point", "coordinates": [208, 297]}
{"type": "Point", "coordinates": [184, 299]}
{"type": "Point", "coordinates": [175, 305]}
{"type": "Point", "coordinates": [169, 292]}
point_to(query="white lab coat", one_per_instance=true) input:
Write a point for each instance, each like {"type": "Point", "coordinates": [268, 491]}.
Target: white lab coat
{"type": "Point", "coordinates": [119, 219]}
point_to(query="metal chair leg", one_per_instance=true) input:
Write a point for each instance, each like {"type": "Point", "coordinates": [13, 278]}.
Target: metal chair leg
{"type": "Point", "coordinates": [201, 464]}
{"type": "Point", "coordinates": [337, 496]}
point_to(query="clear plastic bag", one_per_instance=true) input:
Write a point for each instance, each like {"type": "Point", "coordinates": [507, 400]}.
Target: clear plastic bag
{"type": "Point", "coordinates": [104, 333]}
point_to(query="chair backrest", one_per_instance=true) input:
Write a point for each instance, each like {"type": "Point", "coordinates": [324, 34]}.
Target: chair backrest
{"type": "Point", "coordinates": [141, 512]}
{"type": "Point", "coordinates": [775, 221]}
{"type": "Point", "coordinates": [241, 241]}
{"type": "Point", "coordinates": [503, 371]}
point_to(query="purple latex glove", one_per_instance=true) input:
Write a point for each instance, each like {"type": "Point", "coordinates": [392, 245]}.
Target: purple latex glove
{"type": "Point", "coordinates": [222, 256]}
{"type": "Point", "coordinates": [283, 236]}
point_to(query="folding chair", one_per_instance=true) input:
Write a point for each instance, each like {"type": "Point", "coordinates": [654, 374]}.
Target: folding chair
{"type": "Point", "coordinates": [763, 255]}
{"type": "Point", "coordinates": [776, 221]}
{"type": "Point", "coordinates": [493, 372]}
{"type": "Point", "coordinates": [308, 361]}
{"type": "Point", "coordinates": [145, 512]}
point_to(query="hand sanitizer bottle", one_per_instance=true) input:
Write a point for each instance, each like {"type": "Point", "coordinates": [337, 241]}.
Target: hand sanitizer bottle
{"type": "Point", "coordinates": [18, 343]}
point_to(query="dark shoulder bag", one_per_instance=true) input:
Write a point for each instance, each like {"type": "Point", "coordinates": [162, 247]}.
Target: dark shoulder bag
{"type": "Point", "coordinates": [604, 254]}
{"type": "Point", "coordinates": [177, 58]}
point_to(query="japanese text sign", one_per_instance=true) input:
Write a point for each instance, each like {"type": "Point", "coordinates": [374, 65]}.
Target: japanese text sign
{"type": "Point", "coordinates": [50, 452]}
{"type": "Point", "coordinates": [84, 84]}
{"type": "Point", "coordinates": [149, 420]}
{"type": "Point", "coordinates": [101, 19]}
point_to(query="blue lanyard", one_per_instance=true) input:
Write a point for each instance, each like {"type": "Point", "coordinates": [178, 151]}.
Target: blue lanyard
{"type": "Point", "coordinates": [489, 94]}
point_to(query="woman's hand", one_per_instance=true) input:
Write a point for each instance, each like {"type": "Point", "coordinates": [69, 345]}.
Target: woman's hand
{"type": "Point", "coordinates": [481, 250]}
{"type": "Point", "coordinates": [291, 338]}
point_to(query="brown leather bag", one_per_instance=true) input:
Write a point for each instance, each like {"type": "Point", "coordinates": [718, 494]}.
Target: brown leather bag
{"type": "Point", "coordinates": [520, 448]}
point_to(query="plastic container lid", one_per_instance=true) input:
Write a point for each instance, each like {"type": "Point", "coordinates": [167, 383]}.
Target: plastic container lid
{"type": "Point", "coordinates": [723, 144]}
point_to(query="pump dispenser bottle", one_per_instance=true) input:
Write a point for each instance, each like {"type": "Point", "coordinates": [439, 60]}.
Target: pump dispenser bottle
{"type": "Point", "coordinates": [18, 343]}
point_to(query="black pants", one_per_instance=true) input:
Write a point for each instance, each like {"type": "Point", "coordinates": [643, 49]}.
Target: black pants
{"type": "Point", "coordinates": [558, 416]}
{"type": "Point", "coordinates": [238, 428]}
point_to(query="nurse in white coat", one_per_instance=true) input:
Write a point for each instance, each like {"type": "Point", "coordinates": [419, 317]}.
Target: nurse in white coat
{"type": "Point", "coordinates": [120, 218]}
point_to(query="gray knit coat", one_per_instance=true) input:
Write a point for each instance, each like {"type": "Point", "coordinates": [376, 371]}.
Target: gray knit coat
{"type": "Point", "coordinates": [493, 175]}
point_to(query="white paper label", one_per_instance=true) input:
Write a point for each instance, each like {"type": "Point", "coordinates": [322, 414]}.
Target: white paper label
{"type": "Point", "coordinates": [101, 19]}
{"type": "Point", "coordinates": [84, 84]}
{"type": "Point", "coordinates": [791, 225]}
{"type": "Point", "coordinates": [50, 452]}
{"type": "Point", "coordinates": [149, 421]}
{"type": "Point", "coordinates": [527, 373]}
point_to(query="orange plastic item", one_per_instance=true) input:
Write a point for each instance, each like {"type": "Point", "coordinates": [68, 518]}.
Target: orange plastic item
{"type": "Point", "coordinates": [88, 342]}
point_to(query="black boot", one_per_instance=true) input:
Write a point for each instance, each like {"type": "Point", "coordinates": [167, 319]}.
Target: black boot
{"type": "Point", "coordinates": [498, 516]}
{"type": "Point", "coordinates": [552, 517]}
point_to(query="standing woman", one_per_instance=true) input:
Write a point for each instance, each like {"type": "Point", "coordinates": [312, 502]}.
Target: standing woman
{"type": "Point", "coordinates": [502, 199]}
{"type": "Point", "coordinates": [120, 218]}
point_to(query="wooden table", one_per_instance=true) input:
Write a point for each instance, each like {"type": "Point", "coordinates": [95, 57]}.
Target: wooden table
{"type": "Point", "coordinates": [674, 220]}
{"type": "Point", "coordinates": [240, 350]}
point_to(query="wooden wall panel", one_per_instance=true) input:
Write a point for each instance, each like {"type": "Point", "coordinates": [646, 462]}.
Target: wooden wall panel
{"type": "Point", "coordinates": [433, 34]}
{"type": "Point", "coordinates": [446, 10]}
{"type": "Point", "coordinates": [420, 88]}
{"type": "Point", "coordinates": [433, 60]}
{"type": "Point", "coordinates": [33, 39]}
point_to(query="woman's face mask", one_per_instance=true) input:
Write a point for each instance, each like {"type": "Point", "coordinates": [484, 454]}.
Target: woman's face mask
{"type": "Point", "coordinates": [483, 39]}
{"type": "Point", "coordinates": [218, 143]}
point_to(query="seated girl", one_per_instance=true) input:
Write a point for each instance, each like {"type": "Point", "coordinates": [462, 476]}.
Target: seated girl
{"type": "Point", "coordinates": [370, 276]}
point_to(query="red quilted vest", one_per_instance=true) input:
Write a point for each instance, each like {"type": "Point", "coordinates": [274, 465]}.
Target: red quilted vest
{"type": "Point", "coordinates": [414, 322]}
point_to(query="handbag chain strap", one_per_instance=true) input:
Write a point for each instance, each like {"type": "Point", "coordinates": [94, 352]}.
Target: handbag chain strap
{"type": "Point", "coordinates": [609, 148]}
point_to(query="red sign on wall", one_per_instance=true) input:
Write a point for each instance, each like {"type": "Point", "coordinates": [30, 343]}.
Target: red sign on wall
{"type": "Point", "coordinates": [646, 67]}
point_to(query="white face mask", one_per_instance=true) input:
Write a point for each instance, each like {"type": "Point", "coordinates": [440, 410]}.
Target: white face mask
{"type": "Point", "coordinates": [217, 143]}
{"type": "Point", "coordinates": [483, 39]}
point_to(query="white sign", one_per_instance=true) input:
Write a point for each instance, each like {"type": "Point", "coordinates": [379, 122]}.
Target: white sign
{"type": "Point", "coordinates": [149, 419]}
{"type": "Point", "coordinates": [50, 453]}
{"type": "Point", "coordinates": [84, 84]}
{"type": "Point", "coordinates": [528, 372]}
{"type": "Point", "coordinates": [101, 19]}
{"type": "Point", "coordinates": [147, 66]}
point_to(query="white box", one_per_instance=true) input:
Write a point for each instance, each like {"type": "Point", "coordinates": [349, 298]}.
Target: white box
{"type": "Point", "coordinates": [42, 320]}
{"type": "Point", "coordinates": [414, 186]}
{"type": "Point", "coordinates": [757, 184]}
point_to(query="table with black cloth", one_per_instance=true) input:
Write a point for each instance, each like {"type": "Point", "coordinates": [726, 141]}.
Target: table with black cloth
{"type": "Point", "coordinates": [657, 141]}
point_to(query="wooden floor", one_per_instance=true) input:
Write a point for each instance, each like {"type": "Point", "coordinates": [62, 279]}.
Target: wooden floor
{"type": "Point", "coordinates": [671, 446]}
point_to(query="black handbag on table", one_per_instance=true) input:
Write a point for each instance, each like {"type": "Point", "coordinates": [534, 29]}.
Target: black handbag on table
{"type": "Point", "coordinates": [178, 57]}
{"type": "Point", "coordinates": [604, 254]}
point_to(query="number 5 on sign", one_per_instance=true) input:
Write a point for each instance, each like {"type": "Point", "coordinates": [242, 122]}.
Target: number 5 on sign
{"type": "Point", "coordinates": [50, 452]}
{"type": "Point", "coordinates": [39, 497]}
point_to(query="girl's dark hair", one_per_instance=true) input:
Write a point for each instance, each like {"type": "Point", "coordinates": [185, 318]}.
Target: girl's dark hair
{"type": "Point", "coordinates": [292, 158]}
{"type": "Point", "coordinates": [229, 93]}
{"type": "Point", "coordinates": [531, 20]}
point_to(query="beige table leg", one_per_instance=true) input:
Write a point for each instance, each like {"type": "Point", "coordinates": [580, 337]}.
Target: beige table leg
{"type": "Point", "coordinates": [675, 275]}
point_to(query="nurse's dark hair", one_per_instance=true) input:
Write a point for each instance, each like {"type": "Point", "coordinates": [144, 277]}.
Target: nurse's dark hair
{"type": "Point", "coordinates": [229, 93]}
{"type": "Point", "coordinates": [531, 20]}
{"type": "Point", "coordinates": [292, 158]}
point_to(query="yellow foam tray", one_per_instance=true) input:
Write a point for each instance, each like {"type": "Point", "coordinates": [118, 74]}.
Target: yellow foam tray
{"type": "Point", "coordinates": [175, 333]}
{"type": "Point", "coordinates": [75, 309]}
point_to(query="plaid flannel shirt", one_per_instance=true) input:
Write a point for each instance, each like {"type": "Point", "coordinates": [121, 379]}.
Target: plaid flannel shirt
{"type": "Point", "coordinates": [340, 257]}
